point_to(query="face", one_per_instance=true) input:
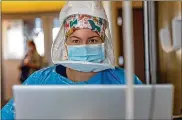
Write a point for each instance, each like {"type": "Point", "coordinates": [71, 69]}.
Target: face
{"type": "Point", "coordinates": [30, 46]}
{"type": "Point", "coordinates": [83, 36]}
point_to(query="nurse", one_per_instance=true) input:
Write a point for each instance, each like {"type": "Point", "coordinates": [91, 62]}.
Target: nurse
{"type": "Point", "coordinates": [82, 52]}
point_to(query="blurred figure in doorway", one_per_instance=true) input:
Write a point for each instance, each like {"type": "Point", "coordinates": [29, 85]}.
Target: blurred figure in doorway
{"type": "Point", "coordinates": [31, 62]}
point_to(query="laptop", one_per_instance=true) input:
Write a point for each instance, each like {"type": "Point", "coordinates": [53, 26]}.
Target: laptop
{"type": "Point", "coordinates": [91, 102]}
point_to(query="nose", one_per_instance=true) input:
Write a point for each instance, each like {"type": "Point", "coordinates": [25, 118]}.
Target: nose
{"type": "Point", "coordinates": [84, 42]}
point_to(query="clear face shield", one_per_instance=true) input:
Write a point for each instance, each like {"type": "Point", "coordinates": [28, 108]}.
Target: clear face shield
{"type": "Point", "coordinates": [60, 52]}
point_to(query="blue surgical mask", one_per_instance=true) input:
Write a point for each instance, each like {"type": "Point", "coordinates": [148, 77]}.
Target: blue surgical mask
{"type": "Point", "coordinates": [90, 53]}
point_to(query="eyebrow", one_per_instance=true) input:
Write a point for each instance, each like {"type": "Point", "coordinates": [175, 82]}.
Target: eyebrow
{"type": "Point", "coordinates": [74, 37]}
{"type": "Point", "coordinates": [94, 37]}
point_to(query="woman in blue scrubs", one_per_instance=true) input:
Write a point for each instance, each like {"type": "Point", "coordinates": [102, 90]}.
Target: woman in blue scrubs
{"type": "Point", "coordinates": [82, 52]}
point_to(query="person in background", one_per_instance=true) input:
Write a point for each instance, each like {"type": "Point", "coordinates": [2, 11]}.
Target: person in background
{"type": "Point", "coordinates": [82, 53]}
{"type": "Point", "coordinates": [31, 61]}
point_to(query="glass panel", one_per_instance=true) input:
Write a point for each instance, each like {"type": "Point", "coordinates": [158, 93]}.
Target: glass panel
{"type": "Point", "coordinates": [39, 36]}
{"type": "Point", "coordinates": [17, 32]}
{"type": "Point", "coordinates": [55, 29]}
{"type": "Point", "coordinates": [13, 39]}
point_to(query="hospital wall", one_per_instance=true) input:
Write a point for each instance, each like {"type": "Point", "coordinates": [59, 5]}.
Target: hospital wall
{"type": "Point", "coordinates": [169, 63]}
{"type": "Point", "coordinates": [115, 6]}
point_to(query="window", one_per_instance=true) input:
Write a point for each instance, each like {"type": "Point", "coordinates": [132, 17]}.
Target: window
{"type": "Point", "coordinates": [39, 36]}
{"type": "Point", "coordinates": [55, 29]}
{"type": "Point", "coordinates": [17, 32]}
{"type": "Point", "coordinates": [13, 40]}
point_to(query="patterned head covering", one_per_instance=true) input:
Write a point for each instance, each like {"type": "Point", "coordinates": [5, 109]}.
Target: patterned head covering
{"type": "Point", "coordinates": [80, 21]}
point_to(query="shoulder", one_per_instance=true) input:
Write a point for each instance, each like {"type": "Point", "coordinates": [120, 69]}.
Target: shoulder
{"type": "Point", "coordinates": [120, 72]}
{"type": "Point", "coordinates": [36, 55]}
{"type": "Point", "coordinates": [38, 76]}
{"type": "Point", "coordinates": [46, 70]}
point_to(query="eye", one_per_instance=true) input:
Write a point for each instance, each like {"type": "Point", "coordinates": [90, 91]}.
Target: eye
{"type": "Point", "coordinates": [73, 41]}
{"type": "Point", "coordinates": [76, 41]}
{"type": "Point", "coordinates": [93, 41]}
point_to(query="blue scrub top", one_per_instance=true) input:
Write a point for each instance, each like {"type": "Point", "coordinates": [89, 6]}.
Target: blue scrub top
{"type": "Point", "coordinates": [56, 75]}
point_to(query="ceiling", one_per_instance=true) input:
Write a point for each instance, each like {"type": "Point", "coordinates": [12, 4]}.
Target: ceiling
{"type": "Point", "coordinates": [13, 7]}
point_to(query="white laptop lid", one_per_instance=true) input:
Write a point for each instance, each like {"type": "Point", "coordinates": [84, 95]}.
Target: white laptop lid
{"type": "Point", "coordinates": [91, 102]}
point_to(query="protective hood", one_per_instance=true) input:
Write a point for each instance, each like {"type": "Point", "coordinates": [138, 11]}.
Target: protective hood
{"type": "Point", "coordinates": [92, 8]}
